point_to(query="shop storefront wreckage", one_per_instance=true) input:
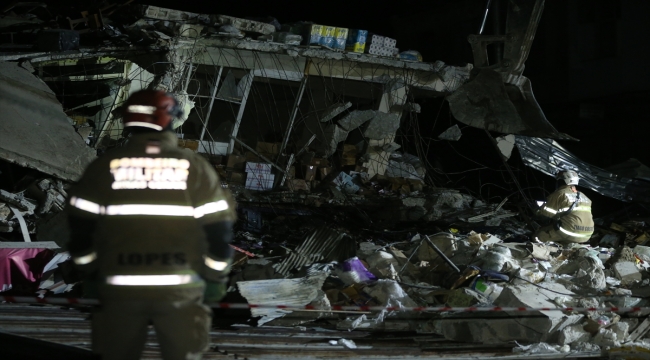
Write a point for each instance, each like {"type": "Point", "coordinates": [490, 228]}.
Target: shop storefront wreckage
{"type": "Point", "coordinates": [304, 137]}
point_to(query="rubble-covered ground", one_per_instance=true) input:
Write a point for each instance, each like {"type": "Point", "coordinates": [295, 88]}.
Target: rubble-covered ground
{"type": "Point", "coordinates": [328, 248]}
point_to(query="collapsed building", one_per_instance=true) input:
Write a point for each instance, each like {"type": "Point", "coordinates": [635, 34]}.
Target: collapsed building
{"type": "Point", "coordinates": [304, 134]}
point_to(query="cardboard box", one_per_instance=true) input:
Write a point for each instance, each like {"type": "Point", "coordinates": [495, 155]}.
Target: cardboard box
{"type": "Point", "coordinates": [356, 47]}
{"type": "Point", "coordinates": [319, 162]}
{"type": "Point", "coordinates": [259, 181]}
{"type": "Point", "coordinates": [269, 150]}
{"type": "Point", "coordinates": [309, 172]}
{"type": "Point", "coordinates": [236, 177]}
{"type": "Point", "coordinates": [258, 168]}
{"type": "Point", "coordinates": [236, 162]}
{"type": "Point", "coordinates": [189, 144]}
{"type": "Point", "coordinates": [340, 38]}
{"type": "Point", "coordinates": [324, 171]}
{"type": "Point", "coordinates": [327, 36]}
{"type": "Point", "coordinates": [297, 185]}
{"type": "Point", "coordinates": [349, 156]}
{"type": "Point", "coordinates": [250, 156]}
{"type": "Point", "coordinates": [356, 40]}
{"type": "Point", "coordinates": [313, 34]}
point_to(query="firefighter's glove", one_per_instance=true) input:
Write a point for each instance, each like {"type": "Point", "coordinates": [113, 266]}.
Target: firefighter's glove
{"type": "Point", "coordinates": [214, 292]}
{"type": "Point", "coordinates": [216, 269]}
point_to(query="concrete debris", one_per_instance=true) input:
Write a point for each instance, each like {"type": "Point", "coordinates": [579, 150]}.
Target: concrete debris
{"type": "Point", "coordinates": [627, 272]}
{"type": "Point", "coordinates": [505, 145]}
{"type": "Point", "coordinates": [401, 170]}
{"type": "Point", "coordinates": [333, 136]}
{"type": "Point", "coordinates": [573, 334]}
{"type": "Point", "coordinates": [333, 111]}
{"type": "Point", "coordinates": [356, 118]}
{"type": "Point", "coordinates": [381, 126]}
{"type": "Point", "coordinates": [451, 134]}
{"type": "Point", "coordinates": [585, 272]}
{"type": "Point", "coordinates": [47, 143]}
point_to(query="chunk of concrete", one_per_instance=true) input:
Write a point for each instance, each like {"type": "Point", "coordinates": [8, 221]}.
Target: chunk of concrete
{"type": "Point", "coordinates": [627, 272]}
{"type": "Point", "coordinates": [402, 170]}
{"type": "Point", "coordinates": [585, 272]}
{"type": "Point", "coordinates": [333, 110]}
{"type": "Point", "coordinates": [530, 329]}
{"type": "Point", "coordinates": [606, 338]}
{"type": "Point", "coordinates": [375, 162]}
{"type": "Point", "coordinates": [382, 125]}
{"type": "Point", "coordinates": [355, 119]}
{"type": "Point", "coordinates": [451, 134]}
{"type": "Point", "coordinates": [572, 334]}
{"type": "Point", "coordinates": [621, 329]}
{"type": "Point", "coordinates": [333, 136]}
{"type": "Point", "coordinates": [414, 201]}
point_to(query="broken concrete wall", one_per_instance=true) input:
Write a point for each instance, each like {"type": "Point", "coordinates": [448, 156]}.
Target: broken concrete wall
{"type": "Point", "coordinates": [35, 132]}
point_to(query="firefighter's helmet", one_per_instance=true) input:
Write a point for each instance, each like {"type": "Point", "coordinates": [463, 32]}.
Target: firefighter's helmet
{"type": "Point", "coordinates": [570, 177]}
{"type": "Point", "coordinates": [153, 109]}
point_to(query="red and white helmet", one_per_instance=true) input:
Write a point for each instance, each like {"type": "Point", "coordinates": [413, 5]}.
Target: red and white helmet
{"type": "Point", "coordinates": [153, 109]}
{"type": "Point", "coordinates": [570, 177]}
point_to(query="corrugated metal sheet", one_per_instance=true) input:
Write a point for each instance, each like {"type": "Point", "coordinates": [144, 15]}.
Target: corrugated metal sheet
{"type": "Point", "coordinates": [315, 248]}
{"type": "Point", "coordinates": [549, 157]}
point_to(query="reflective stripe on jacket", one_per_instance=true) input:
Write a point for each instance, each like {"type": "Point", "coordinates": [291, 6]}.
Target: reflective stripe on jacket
{"type": "Point", "coordinates": [150, 200]}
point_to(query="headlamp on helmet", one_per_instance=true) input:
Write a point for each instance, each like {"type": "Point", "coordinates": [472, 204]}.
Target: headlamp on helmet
{"type": "Point", "coordinates": [569, 177]}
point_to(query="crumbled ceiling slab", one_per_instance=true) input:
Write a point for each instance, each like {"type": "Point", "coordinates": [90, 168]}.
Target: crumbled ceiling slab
{"type": "Point", "coordinates": [35, 132]}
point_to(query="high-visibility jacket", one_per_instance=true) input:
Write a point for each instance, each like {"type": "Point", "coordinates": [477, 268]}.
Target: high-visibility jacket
{"type": "Point", "coordinates": [149, 201]}
{"type": "Point", "coordinates": [578, 222]}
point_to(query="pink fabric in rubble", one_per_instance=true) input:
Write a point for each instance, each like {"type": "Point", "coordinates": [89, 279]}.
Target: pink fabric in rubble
{"type": "Point", "coordinates": [22, 266]}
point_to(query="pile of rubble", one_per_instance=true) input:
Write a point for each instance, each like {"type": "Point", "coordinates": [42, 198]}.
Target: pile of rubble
{"type": "Point", "coordinates": [36, 204]}
{"type": "Point", "coordinates": [455, 268]}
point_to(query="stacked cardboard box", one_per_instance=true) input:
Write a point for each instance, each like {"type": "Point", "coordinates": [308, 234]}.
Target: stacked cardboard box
{"type": "Point", "coordinates": [356, 40]}
{"type": "Point", "coordinates": [349, 156]}
{"type": "Point", "coordinates": [258, 176]}
{"type": "Point", "coordinates": [327, 36]}
{"type": "Point", "coordinates": [340, 38]}
{"type": "Point", "coordinates": [268, 150]}
{"type": "Point", "coordinates": [312, 34]}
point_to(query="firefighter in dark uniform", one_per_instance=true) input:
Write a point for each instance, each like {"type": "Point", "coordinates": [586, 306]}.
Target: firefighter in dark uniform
{"type": "Point", "coordinates": [568, 211]}
{"type": "Point", "coordinates": [152, 225]}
